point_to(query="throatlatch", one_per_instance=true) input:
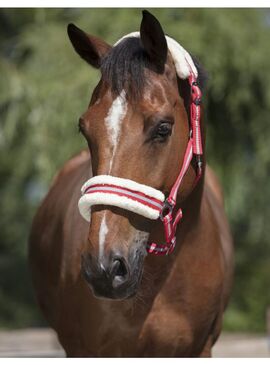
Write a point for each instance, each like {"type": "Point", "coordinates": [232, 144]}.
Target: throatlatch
{"type": "Point", "coordinates": [143, 199]}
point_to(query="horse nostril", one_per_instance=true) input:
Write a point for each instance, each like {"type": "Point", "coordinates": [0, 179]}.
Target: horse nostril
{"type": "Point", "coordinates": [118, 268]}
{"type": "Point", "coordinates": [119, 272]}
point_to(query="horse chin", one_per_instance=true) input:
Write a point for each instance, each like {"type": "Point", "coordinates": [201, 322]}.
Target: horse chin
{"type": "Point", "coordinates": [115, 295]}
{"type": "Point", "coordinates": [127, 292]}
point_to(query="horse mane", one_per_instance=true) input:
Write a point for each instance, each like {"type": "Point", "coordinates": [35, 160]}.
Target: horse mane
{"type": "Point", "coordinates": [124, 68]}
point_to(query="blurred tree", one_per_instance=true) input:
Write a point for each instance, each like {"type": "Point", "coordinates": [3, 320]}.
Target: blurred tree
{"type": "Point", "coordinates": [44, 87]}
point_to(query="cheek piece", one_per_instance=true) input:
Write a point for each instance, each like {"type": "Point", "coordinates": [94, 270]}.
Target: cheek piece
{"type": "Point", "coordinates": [142, 199]}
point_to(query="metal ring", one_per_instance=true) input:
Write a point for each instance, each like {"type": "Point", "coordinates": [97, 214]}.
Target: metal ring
{"type": "Point", "coordinates": [166, 206]}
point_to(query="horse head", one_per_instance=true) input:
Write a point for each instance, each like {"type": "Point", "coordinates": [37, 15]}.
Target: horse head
{"type": "Point", "coordinates": [137, 128]}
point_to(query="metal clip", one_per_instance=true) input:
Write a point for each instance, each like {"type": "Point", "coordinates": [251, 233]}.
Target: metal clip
{"type": "Point", "coordinates": [166, 209]}
{"type": "Point", "coordinates": [199, 163]}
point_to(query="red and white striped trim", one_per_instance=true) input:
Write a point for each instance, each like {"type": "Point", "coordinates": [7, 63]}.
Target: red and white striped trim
{"type": "Point", "coordinates": [187, 159]}
{"type": "Point", "coordinates": [123, 193]}
{"type": "Point", "coordinates": [124, 183]}
{"type": "Point", "coordinates": [195, 115]}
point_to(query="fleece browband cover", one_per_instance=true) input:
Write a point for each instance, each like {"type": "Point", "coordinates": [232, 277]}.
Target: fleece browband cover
{"type": "Point", "coordinates": [181, 58]}
{"type": "Point", "coordinates": [122, 193]}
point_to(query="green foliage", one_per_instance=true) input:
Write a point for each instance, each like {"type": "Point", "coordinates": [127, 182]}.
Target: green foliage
{"type": "Point", "coordinates": [44, 87]}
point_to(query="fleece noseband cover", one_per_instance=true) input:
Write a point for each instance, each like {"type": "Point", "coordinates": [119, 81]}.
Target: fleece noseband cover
{"type": "Point", "coordinates": [122, 193]}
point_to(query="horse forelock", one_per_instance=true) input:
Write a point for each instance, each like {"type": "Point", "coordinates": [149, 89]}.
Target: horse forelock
{"type": "Point", "coordinates": [124, 66]}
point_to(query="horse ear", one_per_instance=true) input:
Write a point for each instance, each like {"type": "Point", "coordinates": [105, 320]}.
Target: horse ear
{"type": "Point", "coordinates": [90, 48]}
{"type": "Point", "coordinates": [153, 40]}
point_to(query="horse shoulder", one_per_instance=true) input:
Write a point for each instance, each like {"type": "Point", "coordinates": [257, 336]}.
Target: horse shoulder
{"type": "Point", "coordinates": [52, 245]}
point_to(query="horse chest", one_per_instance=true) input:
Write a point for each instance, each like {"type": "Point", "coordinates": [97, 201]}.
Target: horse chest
{"type": "Point", "coordinates": [116, 331]}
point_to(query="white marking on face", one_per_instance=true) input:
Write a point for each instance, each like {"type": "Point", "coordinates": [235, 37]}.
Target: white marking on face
{"type": "Point", "coordinates": [103, 230]}
{"type": "Point", "coordinates": [113, 121]}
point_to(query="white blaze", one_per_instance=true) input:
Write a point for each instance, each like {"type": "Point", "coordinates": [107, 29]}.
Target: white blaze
{"type": "Point", "coordinates": [114, 119]}
{"type": "Point", "coordinates": [103, 230]}
{"type": "Point", "coordinates": [113, 122]}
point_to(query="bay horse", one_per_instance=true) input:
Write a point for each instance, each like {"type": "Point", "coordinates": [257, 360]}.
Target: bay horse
{"type": "Point", "coordinates": [95, 279]}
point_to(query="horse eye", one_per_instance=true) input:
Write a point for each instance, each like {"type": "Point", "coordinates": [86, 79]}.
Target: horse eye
{"type": "Point", "coordinates": [163, 131]}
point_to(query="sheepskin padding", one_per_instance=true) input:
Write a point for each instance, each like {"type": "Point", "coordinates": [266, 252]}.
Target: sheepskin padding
{"type": "Point", "coordinates": [181, 58]}
{"type": "Point", "coordinates": [124, 183]}
{"type": "Point", "coordinates": [97, 198]}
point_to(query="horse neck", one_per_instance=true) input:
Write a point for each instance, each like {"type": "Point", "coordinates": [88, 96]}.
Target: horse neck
{"type": "Point", "coordinates": [192, 205]}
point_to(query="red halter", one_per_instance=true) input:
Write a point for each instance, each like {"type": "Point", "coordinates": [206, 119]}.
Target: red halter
{"type": "Point", "coordinates": [194, 147]}
{"type": "Point", "coordinates": [143, 199]}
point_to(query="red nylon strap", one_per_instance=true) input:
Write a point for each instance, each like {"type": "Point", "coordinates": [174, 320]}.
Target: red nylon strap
{"type": "Point", "coordinates": [195, 115]}
{"type": "Point", "coordinates": [187, 159]}
{"type": "Point", "coordinates": [194, 147]}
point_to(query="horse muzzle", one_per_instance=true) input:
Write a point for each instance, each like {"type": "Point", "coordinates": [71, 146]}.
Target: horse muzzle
{"type": "Point", "coordinates": [115, 277]}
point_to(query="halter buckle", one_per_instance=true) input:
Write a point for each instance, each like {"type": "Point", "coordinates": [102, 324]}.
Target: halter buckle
{"type": "Point", "coordinates": [166, 209]}
{"type": "Point", "coordinates": [197, 101]}
{"type": "Point", "coordinates": [199, 163]}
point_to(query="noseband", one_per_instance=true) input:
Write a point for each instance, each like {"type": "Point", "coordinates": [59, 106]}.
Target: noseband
{"type": "Point", "coordinates": [142, 199]}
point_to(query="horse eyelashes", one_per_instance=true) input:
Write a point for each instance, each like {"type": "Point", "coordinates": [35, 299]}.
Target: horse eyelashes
{"type": "Point", "coordinates": [162, 132]}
